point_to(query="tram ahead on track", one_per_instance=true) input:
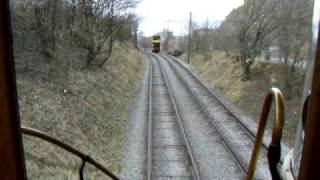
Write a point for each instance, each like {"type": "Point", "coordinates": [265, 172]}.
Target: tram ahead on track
{"type": "Point", "coordinates": [156, 44]}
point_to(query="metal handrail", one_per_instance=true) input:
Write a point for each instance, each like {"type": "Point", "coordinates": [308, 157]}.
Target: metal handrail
{"type": "Point", "coordinates": [274, 149]}
{"type": "Point", "coordinates": [84, 157]}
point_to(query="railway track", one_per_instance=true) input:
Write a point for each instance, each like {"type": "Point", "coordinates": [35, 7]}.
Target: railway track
{"type": "Point", "coordinates": [217, 100]}
{"type": "Point", "coordinates": [169, 155]}
{"type": "Point", "coordinates": [227, 109]}
{"type": "Point", "coordinates": [234, 135]}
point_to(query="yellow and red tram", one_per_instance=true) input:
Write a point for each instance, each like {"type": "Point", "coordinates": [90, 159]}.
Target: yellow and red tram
{"type": "Point", "coordinates": [156, 44]}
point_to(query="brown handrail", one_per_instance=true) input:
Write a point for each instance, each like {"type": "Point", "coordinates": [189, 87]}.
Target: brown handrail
{"type": "Point", "coordinates": [85, 158]}
{"type": "Point", "coordinates": [274, 148]}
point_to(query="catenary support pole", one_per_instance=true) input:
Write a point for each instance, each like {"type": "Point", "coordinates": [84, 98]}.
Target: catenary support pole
{"type": "Point", "coordinates": [190, 38]}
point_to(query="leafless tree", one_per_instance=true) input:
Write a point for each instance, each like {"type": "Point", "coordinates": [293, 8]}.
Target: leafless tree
{"type": "Point", "coordinates": [56, 32]}
{"type": "Point", "coordinates": [206, 39]}
{"type": "Point", "coordinates": [182, 43]}
{"type": "Point", "coordinates": [46, 16]}
{"type": "Point", "coordinates": [144, 42]}
{"type": "Point", "coordinates": [255, 23]}
{"type": "Point", "coordinates": [96, 26]}
{"type": "Point", "coordinates": [225, 37]}
{"type": "Point", "coordinates": [135, 28]}
{"type": "Point", "coordinates": [167, 36]}
{"type": "Point", "coordinates": [294, 20]}
{"type": "Point", "coordinates": [128, 32]}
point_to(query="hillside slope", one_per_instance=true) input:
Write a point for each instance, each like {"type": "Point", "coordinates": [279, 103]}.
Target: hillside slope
{"type": "Point", "coordinates": [91, 116]}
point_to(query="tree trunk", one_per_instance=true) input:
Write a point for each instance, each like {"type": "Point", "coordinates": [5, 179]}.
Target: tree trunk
{"type": "Point", "coordinates": [246, 72]}
{"type": "Point", "coordinates": [53, 26]}
{"type": "Point", "coordinates": [135, 36]}
{"type": "Point", "coordinates": [226, 51]}
{"type": "Point", "coordinates": [111, 24]}
{"type": "Point", "coordinates": [91, 56]}
{"type": "Point", "coordinates": [245, 65]}
{"type": "Point", "coordinates": [295, 60]}
{"type": "Point", "coordinates": [287, 84]}
{"type": "Point", "coordinates": [41, 33]}
{"type": "Point", "coordinates": [109, 52]}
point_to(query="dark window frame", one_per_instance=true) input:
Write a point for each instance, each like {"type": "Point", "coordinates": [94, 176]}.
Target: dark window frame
{"type": "Point", "coordinates": [12, 166]}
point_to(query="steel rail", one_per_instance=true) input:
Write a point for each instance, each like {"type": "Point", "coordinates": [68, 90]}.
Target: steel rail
{"type": "Point", "coordinates": [241, 164]}
{"type": "Point", "coordinates": [251, 132]}
{"type": "Point", "coordinates": [149, 155]}
{"type": "Point", "coordinates": [195, 170]}
{"type": "Point", "coordinates": [84, 157]}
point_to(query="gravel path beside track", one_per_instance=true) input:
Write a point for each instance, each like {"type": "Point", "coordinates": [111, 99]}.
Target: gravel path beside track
{"type": "Point", "coordinates": [135, 147]}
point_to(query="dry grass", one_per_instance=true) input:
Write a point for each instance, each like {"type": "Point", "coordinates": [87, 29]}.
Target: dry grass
{"type": "Point", "coordinates": [224, 74]}
{"type": "Point", "coordinates": [91, 117]}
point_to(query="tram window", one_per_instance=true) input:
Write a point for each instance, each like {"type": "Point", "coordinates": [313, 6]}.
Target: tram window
{"type": "Point", "coordinates": [79, 71]}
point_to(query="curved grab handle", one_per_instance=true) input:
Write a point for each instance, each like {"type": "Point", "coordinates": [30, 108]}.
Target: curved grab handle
{"type": "Point", "coordinates": [85, 158]}
{"type": "Point", "coordinates": [274, 149]}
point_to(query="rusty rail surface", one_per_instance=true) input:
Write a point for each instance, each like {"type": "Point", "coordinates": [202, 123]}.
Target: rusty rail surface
{"type": "Point", "coordinates": [275, 144]}
{"type": "Point", "coordinates": [84, 157]}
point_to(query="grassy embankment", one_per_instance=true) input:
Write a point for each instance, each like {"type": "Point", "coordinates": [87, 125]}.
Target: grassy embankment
{"type": "Point", "coordinates": [92, 116]}
{"type": "Point", "coordinates": [224, 73]}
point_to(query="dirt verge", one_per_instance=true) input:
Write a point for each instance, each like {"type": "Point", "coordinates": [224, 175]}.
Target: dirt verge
{"type": "Point", "coordinates": [91, 116]}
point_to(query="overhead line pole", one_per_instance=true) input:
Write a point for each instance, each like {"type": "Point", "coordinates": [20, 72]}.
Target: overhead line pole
{"type": "Point", "coordinates": [190, 39]}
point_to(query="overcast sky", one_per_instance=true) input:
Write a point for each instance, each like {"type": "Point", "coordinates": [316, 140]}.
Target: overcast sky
{"type": "Point", "coordinates": [174, 14]}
